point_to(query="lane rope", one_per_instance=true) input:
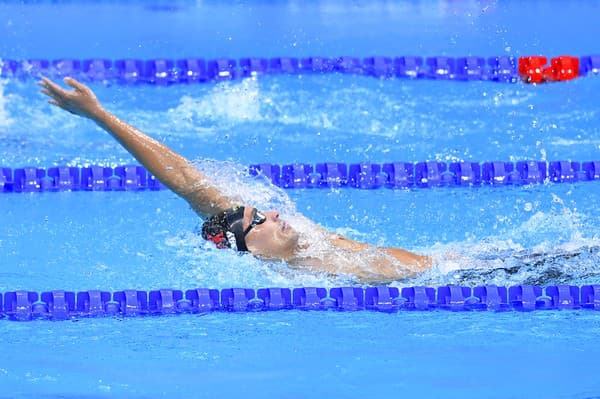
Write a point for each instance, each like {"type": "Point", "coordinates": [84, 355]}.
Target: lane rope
{"type": "Point", "coordinates": [60, 305]}
{"type": "Point", "coordinates": [366, 175]}
{"type": "Point", "coordinates": [529, 69]}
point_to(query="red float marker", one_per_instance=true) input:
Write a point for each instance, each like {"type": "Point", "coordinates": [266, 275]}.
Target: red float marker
{"type": "Point", "coordinates": [562, 68]}
{"type": "Point", "coordinates": [533, 69]}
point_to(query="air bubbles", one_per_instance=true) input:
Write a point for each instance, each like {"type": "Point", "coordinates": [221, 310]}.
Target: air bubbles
{"type": "Point", "coordinates": [557, 199]}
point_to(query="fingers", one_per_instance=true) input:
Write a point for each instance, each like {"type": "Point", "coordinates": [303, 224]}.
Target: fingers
{"type": "Point", "coordinates": [76, 102]}
{"type": "Point", "coordinates": [54, 91]}
{"type": "Point", "coordinates": [45, 82]}
{"type": "Point", "coordinates": [51, 89]}
{"type": "Point", "coordinates": [60, 104]}
{"type": "Point", "coordinates": [75, 84]}
{"type": "Point", "coordinates": [52, 94]}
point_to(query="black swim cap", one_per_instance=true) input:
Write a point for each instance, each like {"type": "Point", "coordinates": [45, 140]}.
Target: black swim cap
{"type": "Point", "coordinates": [226, 229]}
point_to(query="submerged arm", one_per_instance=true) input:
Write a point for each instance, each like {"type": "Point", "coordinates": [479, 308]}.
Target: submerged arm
{"type": "Point", "coordinates": [170, 168]}
{"type": "Point", "coordinates": [417, 262]}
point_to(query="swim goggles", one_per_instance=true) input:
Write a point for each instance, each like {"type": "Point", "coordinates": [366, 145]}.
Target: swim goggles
{"type": "Point", "coordinates": [257, 218]}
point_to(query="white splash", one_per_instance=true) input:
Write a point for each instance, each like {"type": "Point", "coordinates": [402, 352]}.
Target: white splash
{"type": "Point", "coordinates": [552, 240]}
{"type": "Point", "coordinates": [232, 102]}
{"type": "Point", "coordinates": [5, 119]}
{"type": "Point", "coordinates": [572, 142]}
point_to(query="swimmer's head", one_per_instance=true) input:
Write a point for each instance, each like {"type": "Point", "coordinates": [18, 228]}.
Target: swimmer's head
{"type": "Point", "coordinates": [247, 229]}
{"type": "Point", "coordinates": [226, 229]}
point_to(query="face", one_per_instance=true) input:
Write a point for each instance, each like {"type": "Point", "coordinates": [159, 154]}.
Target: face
{"type": "Point", "coordinates": [273, 238]}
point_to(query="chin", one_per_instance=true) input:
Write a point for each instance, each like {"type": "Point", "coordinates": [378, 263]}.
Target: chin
{"type": "Point", "coordinates": [293, 237]}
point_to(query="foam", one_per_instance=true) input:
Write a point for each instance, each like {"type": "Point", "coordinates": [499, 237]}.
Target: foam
{"type": "Point", "coordinates": [290, 101]}
{"type": "Point", "coordinates": [572, 142]}
{"type": "Point", "coordinates": [562, 253]}
{"type": "Point", "coordinates": [229, 102]}
{"type": "Point", "coordinates": [5, 118]}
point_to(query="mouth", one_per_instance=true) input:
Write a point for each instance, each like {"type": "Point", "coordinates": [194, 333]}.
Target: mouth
{"type": "Point", "coordinates": [284, 226]}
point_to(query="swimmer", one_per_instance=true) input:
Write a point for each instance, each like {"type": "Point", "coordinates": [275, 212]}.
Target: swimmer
{"type": "Point", "coordinates": [231, 225]}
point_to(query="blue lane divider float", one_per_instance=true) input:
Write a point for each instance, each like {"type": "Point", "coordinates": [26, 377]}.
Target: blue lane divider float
{"type": "Point", "coordinates": [393, 175]}
{"type": "Point", "coordinates": [59, 304]}
{"type": "Point", "coordinates": [66, 178]}
{"type": "Point", "coordinates": [194, 70]}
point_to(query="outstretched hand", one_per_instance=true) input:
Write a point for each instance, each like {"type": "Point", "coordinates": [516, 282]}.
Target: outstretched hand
{"type": "Point", "coordinates": [81, 101]}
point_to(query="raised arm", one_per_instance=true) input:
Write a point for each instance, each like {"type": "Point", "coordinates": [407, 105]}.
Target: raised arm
{"type": "Point", "coordinates": [170, 168]}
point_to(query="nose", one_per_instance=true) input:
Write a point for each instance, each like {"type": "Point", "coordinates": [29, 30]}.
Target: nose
{"type": "Point", "coordinates": [273, 215]}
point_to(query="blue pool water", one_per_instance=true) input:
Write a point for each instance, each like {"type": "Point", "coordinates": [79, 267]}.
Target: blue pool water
{"type": "Point", "coordinates": [144, 240]}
